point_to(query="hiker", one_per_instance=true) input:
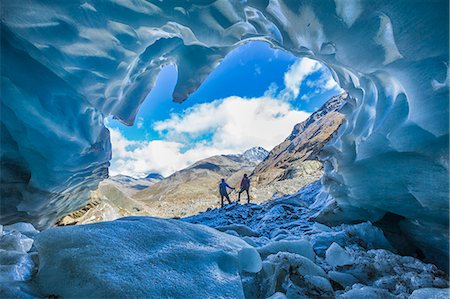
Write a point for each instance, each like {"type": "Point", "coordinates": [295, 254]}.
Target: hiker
{"type": "Point", "coordinates": [223, 192]}
{"type": "Point", "coordinates": [245, 186]}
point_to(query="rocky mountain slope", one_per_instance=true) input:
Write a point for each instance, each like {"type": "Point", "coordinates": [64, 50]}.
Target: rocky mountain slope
{"type": "Point", "coordinates": [112, 200]}
{"type": "Point", "coordinates": [287, 168]}
{"type": "Point", "coordinates": [194, 189]}
{"type": "Point", "coordinates": [294, 163]}
{"type": "Point", "coordinates": [130, 185]}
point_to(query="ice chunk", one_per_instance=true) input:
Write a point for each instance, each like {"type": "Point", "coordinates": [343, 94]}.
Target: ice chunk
{"type": "Point", "coordinates": [371, 235]}
{"type": "Point", "coordinates": [344, 279]}
{"type": "Point", "coordinates": [277, 295]}
{"type": "Point", "coordinates": [430, 293]}
{"type": "Point", "coordinates": [140, 257]}
{"type": "Point", "coordinates": [24, 228]}
{"type": "Point", "coordinates": [250, 260]}
{"type": "Point", "coordinates": [337, 256]}
{"type": "Point", "coordinates": [17, 290]}
{"type": "Point", "coordinates": [241, 229]}
{"type": "Point", "coordinates": [321, 227]}
{"type": "Point", "coordinates": [294, 275]}
{"type": "Point", "coordinates": [15, 241]}
{"type": "Point", "coordinates": [301, 247]}
{"type": "Point", "coordinates": [360, 291]}
{"type": "Point", "coordinates": [15, 266]}
{"type": "Point", "coordinates": [232, 232]}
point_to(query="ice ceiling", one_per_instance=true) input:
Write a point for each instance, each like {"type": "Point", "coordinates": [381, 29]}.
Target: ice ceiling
{"type": "Point", "coordinates": [68, 64]}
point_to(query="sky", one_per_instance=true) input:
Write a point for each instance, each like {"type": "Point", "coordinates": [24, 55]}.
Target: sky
{"type": "Point", "coordinates": [253, 98]}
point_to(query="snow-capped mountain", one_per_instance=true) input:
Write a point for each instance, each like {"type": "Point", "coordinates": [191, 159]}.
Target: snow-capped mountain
{"type": "Point", "coordinates": [255, 154]}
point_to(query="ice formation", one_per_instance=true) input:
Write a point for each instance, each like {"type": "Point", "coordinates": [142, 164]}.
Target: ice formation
{"type": "Point", "coordinates": [136, 257]}
{"type": "Point", "coordinates": [65, 66]}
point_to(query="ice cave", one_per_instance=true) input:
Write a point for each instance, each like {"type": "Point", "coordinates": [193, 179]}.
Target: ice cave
{"type": "Point", "coordinates": [68, 65]}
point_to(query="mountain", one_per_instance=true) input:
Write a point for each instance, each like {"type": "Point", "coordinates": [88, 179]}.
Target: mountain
{"type": "Point", "coordinates": [112, 200]}
{"type": "Point", "coordinates": [155, 176]}
{"type": "Point", "coordinates": [194, 189]}
{"type": "Point", "coordinates": [130, 185]}
{"type": "Point", "coordinates": [255, 154]}
{"type": "Point", "coordinates": [294, 162]}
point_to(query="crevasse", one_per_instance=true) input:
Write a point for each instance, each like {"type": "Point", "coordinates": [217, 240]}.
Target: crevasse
{"type": "Point", "coordinates": [65, 66]}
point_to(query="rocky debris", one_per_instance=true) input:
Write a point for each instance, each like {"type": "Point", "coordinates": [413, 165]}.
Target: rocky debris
{"type": "Point", "coordinates": [358, 261]}
{"type": "Point", "coordinates": [194, 189]}
{"type": "Point", "coordinates": [272, 250]}
{"type": "Point", "coordinates": [298, 155]}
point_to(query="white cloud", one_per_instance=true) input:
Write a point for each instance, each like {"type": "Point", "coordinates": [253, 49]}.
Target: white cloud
{"type": "Point", "coordinates": [298, 72]}
{"type": "Point", "coordinates": [236, 124]}
{"type": "Point", "coordinates": [139, 122]}
{"type": "Point", "coordinates": [233, 125]}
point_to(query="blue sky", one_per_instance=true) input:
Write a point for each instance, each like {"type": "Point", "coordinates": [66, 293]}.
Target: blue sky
{"type": "Point", "coordinates": [253, 98]}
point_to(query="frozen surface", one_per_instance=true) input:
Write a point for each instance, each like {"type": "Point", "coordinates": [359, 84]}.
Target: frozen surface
{"type": "Point", "coordinates": [430, 293]}
{"type": "Point", "coordinates": [142, 257]}
{"type": "Point", "coordinates": [67, 66]}
{"type": "Point", "coordinates": [17, 260]}
{"type": "Point", "coordinates": [337, 256]}
{"type": "Point", "coordinates": [136, 257]}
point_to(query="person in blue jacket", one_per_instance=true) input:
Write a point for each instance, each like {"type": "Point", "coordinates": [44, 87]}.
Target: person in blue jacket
{"type": "Point", "coordinates": [223, 191]}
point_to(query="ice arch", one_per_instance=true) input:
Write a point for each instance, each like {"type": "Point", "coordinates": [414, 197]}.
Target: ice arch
{"type": "Point", "coordinates": [67, 65]}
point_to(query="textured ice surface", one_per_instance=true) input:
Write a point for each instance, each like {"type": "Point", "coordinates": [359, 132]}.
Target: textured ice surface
{"type": "Point", "coordinates": [17, 260]}
{"type": "Point", "coordinates": [430, 293]}
{"type": "Point", "coordinates": [142, 257]}
{"type": "Point", "coordinates": [373, 264]}
{"type": "Point", "coordinates": [65, 66]}
{"type": "Point", "coordinates": [337, 256]}
{"type": "Point", "coordinates": [132, 257]}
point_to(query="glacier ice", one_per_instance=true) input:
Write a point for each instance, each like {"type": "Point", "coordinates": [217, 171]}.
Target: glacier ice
{"type": "Point", "coordinates": [65, 67]}
{"type": "Point", "coordinates": [139, 255]}
{"type": "Point", "coordinates": [337, 256]}
{"type": "Point", "coordinates": [344, 279]}
{"type": "Point", "coordinates": [300, 247]}
{"type": "Point", "coordinates": [430, 293]}
{"type": "Point", "coordinates": [249, 260]}
{"type": "Point", "coordinates": [142, 257]}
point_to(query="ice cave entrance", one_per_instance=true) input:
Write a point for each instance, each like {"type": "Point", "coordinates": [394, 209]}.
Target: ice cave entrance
{"type": "Point", "coordinates": [169, 163]}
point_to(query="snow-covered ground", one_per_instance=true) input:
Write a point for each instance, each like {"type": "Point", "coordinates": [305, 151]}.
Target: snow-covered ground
{"type": "Point", "coordinates": [271, 250]}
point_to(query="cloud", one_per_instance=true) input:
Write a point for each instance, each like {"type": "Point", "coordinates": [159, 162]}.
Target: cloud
{"type": "Point", "coordinates": [301, 69]}
{"type": "Point", "coordinates": [139, 122]}
{"type": "Point", "coordinates": [224, 126]}
{"type": "Point", "coordinates": [299, 72]}
{"type": "Point", "coordinates": [236, 123]}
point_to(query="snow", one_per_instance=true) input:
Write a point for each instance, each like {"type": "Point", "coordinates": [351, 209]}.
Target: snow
{"type": "Point", "coordinates": [255, 154]}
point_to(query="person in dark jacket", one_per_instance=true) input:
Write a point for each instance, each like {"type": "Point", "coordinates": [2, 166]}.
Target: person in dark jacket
{"type": "Point", "coordinates": [245, 186]}
{"type": "Point", "coordinates": [223, 192]}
